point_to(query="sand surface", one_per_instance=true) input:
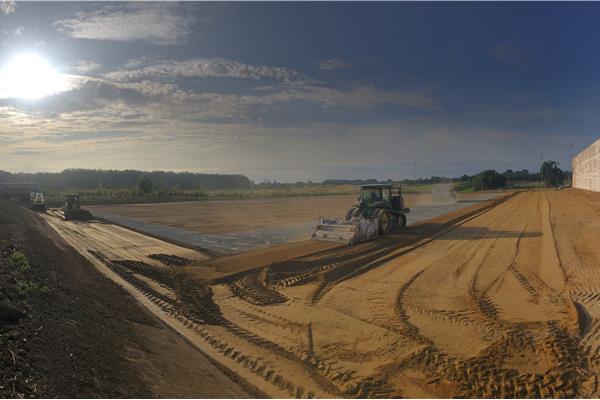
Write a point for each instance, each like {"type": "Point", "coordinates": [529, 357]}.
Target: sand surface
{"type": "Point", "coordinates": [225, 227]}
{"type": "Point", "coordinates": [497, 299]}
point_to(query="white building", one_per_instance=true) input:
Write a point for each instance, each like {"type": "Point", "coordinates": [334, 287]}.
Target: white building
{"type": "Point", "coordinates": [586, 168]}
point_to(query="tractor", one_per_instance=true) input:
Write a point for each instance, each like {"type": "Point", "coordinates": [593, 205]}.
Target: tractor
{"type": "Point", "coordinates": [72, 209]}
{"type": "Point", "coordinates": [379, 210]}
{"type": "Point", "coordinates": [37, 202]}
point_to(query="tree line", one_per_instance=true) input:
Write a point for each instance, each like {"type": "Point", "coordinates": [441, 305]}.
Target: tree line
{"type": "Point", "coordinates": [550, 175]}
{"type": "Point", "coordinates": [167, 182]}
{"type": "Point", "coordinates": [72, 179]}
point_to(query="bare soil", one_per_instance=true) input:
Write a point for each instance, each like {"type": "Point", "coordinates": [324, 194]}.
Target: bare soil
{"type": "Point", "coordinates": [499, 299]}
{"type": "Point", "coordinates": [241, 215]}
{"type": "Point", "coordinates": [80, 335]}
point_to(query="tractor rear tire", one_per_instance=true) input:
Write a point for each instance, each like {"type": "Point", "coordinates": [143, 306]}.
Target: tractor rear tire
{"type": "Point", "coordinates": [349, 214]}
{"type": "Point", "coordinates": [384, 222]}
{"type": "Point", "coordinates": [401, 222]}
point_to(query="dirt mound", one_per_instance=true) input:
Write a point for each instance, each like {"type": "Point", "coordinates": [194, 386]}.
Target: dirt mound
{"type": "Point", "coordinates": [67, 331]}
{"type": "Point", "coordinates": [53, 326]}
{"type": "Point", "coordinates": [171, 260]}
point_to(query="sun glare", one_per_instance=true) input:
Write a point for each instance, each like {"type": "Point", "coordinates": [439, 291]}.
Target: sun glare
{"type": "Point", "coordinates": [28, 76]}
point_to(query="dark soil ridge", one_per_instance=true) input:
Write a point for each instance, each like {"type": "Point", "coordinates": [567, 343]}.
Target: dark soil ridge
{"type": "Point", "coordinates": [62, 339]}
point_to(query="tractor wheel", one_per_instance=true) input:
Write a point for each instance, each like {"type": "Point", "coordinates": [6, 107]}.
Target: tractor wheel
{"type": "Point", "coordinates": [401, 221]}
{"type": "Point", "coordinates": [384, 221]}
{"type": "Point", "coordinates": [350, 214]}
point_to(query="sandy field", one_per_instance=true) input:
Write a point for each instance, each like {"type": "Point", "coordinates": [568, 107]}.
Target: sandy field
{"type": "Point", "coordinates": [225, 216]}
{"type": "Point", "coordinates": [497, 299]}
{"type": "Point", "coordinates": [226, 227]}
{"type": "Point", "coordinates": [216, 217]}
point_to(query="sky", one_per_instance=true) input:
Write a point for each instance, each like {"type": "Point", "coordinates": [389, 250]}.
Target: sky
{"type": "Point", "coordinates": [297, 91]}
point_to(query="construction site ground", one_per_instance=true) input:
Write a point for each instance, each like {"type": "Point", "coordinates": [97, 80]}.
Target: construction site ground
{"type": "Point", "coordinates": [497, 299]}
{"type": "Point", "coordinates": [233, 226]}
{"type": "Point", "coordinates": [77, 334]}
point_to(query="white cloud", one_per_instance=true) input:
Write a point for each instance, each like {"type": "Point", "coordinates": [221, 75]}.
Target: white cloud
{"type": "Point", "coordinates": [358, 98]}
{"type": "Point", "coordinates": [86, 66]}
{"type": "Point", "coordinates": [159, 23]}
{"type": "Point", "coordinates": [332, 64]}
{"type": "Point", "coordinates": [300, 87]}
{"type": "Point", "coordinates": [202, 68]}
{"type": "Point", "coordinates": [8, 6]}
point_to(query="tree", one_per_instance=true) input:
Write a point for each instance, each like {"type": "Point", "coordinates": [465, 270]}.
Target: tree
{"type": "Point", "coordinates": [509, 174]}
{"type": "Point", "coordinates": [488, 179]}
{"type": "Point", "coordinates": [552, 175]}
{"type": "Point", "coordinates": [144, 184]}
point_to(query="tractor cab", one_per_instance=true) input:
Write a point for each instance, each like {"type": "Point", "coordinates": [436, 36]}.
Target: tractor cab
{"type": "Point", "coordinates": [370, 194]}
{"type": "Point", "coordinates": [382, 196]}
{"type": "Point", "coordinates": [72, 201]}
{"type": "Point", "coordinates": [72, 209]}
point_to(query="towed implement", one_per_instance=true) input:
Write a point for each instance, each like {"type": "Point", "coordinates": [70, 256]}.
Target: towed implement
{"type": "Point", "coordinates": [72, 209]}
{"type": "Point", "coordinates": [379, 210]}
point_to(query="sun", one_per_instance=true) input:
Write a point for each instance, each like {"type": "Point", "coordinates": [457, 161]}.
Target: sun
{"type": "Point", "coordinates": [29, 76]}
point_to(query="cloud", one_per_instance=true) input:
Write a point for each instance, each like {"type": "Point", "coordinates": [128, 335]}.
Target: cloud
{"type": "Point", "coordinates": [509, 54]}
{"type": "Point", "coordinates": [86, 66]}
{"type": "Point", "coordinates": [16, 32]}
{"type": "Point", "coordinates": [202, 68]}
{"type": "Point", "coordinates": [332, 64]}
{"type": "Point", "coordinates": [8, 6]}
{"type": "Point", "coordinates": [87, 95]}
{"type": "Point", "coordinates": [362, 97]}
{"type": "Point", "coordinates": [159, 23]}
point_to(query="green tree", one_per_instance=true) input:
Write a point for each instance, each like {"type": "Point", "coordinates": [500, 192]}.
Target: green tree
{"type": "Point", "coordinates": [488, 179]}
{"type": "Point", "coordinates": [552, 175]}
{"type": "Point", "coordinates": [144, 184]}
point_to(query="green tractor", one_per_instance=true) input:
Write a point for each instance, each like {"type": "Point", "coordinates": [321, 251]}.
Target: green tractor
{"type": "Point", "coordinates": [72, 209]}
{"type": "Point", "coordinates": [379, 210]}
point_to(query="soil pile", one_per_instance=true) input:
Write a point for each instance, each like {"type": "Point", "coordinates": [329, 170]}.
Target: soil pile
{"type": "Point", "coordinates": [68, 331]}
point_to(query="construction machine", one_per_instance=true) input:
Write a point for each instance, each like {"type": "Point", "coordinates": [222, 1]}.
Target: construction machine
{"type": "Point", "coordinates": [379, 210]}
{"type": "Point", "coordinates": [72, 209]}
{"type": "Point", "coordinates": [37, 201]}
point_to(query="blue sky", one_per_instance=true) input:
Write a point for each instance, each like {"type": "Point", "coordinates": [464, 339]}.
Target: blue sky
{"type": "Point", "coordinates": [297, 91]}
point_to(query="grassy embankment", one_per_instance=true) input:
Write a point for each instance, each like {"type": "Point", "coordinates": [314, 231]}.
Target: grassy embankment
{"type": "Point", "coordinates": [126, 196]}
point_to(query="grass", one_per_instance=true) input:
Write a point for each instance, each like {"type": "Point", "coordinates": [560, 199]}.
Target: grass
{"type": "Point", "coordinates": [126, 196]}
{"type": "Point", "coordinates": [130, 196]}
{"type": "Point", "coordinates": [24, 287]}
{"type": "Point", "coordinates": [18, 262]}
{"type": "Point", "coordinates": [19, 265]}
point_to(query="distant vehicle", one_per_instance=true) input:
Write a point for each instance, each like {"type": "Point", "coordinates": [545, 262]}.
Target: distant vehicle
{"type": "Point", "coordinates": [37, 201]}
{"type": "Point", "coordinates": [72, 209]}
{"type": "Point", "coordinates": [379, 210]}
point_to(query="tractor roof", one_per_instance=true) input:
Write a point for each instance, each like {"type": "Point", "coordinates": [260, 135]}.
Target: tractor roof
{"type": "Point", "coordinates": [379, 186]}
